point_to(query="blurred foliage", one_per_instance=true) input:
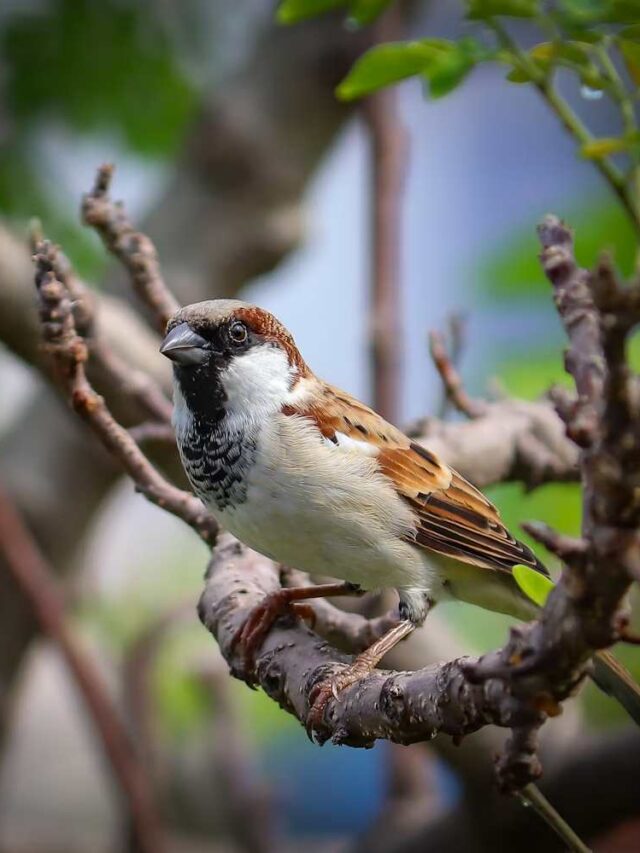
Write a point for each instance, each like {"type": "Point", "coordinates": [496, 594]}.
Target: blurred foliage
{"type": "Point", "coordinates": [581, 37]}
{"type": "Point", "coordinates": [360, 12]}
{"type": "Point", "coordinates": [442, 64]}
{"type": "Point", "coordinates": [514, 270]}
{"type": "Point", "coordinates": [87, 67]}
{"type": "Point", "coordinates": [97, 65]}
{"type": "Point", "coordinates": [596, 41]}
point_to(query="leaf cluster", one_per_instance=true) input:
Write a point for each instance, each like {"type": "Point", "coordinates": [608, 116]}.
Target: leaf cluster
{"type": "Point", "coordinates": [595, 41]}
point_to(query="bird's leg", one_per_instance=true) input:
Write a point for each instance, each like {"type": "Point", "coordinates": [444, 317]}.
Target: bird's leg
{"type": "Point", "coordinates": [362, 666]}
{"type": "Point", "coordinates": [252, 633]}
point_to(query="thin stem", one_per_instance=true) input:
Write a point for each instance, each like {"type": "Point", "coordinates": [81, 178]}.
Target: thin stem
{"type": "Point", "coordinates": [623, 98]}
{"type": "Point", "coordinates": [532, 796]}
{"type": "Point", "coordinates": [618, 90]}
{"type": "Point", "coordinates": [571, 122]}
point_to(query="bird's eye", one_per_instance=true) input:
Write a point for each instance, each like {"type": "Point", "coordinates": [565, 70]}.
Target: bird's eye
{"type": "Point", "coordinates": [238, 332]}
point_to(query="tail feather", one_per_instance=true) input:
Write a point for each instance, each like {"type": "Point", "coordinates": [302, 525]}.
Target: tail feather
{"type": "Point", "coordinates": [614, 679]}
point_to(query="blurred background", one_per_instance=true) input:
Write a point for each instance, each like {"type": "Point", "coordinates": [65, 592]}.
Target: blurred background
{"type": "Point", "coordinates": [233, 153]}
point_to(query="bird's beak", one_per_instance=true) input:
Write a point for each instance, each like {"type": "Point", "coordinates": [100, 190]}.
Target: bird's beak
{"type": "Point", "coordinates": [184, 346]}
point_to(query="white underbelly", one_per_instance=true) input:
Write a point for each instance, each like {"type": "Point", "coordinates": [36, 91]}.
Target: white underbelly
{"type": "Point", "coordinates": [325, 511]}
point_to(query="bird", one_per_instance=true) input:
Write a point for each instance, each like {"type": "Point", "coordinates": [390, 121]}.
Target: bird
{"type": "Point", "coordinates": [310, 477]}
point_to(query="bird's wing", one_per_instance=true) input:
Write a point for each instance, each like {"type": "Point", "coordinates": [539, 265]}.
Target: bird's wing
{"type": "Point", "coordinates": [452, 517]}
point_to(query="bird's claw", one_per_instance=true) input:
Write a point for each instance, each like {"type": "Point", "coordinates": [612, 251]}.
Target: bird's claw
{"type": "Point", "coordinates": [254, 630]}
{"type": "Point", "coordinates": [318, 700]}
{"type": "Point", "coordinates": [330, 688]}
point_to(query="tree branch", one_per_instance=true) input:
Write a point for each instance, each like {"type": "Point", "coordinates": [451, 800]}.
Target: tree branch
{"type": "Point", "coordinates": [69, 353]}
{"type": "Point", "coordinates": [520, 685]}
{"type": "Point", "coordinates": [35, 579]}
{"type": "Point", "coordinates": [134, 249]}
{"type": "Point", "coordinates": [451, 380]}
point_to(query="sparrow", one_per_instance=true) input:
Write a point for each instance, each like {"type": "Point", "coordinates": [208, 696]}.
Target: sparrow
{"type": "Point", "coordinates": [305, 474]}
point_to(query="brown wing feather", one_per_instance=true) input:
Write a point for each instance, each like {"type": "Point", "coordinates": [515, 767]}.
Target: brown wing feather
{"type": "Point", "coordinates": [453, 517]}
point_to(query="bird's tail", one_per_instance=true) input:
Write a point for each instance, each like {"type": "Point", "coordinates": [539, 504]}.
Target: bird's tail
{"type": "Point", "coordinates": [617, 681]}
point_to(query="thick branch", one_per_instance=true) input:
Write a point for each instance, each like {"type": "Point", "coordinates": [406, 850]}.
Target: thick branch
{"type": "Point", "coordinates": [514, 440]}
{"type": "Point", "coordinates": [518, 686]}
{"type": "Point", "coordinates": [403, 707]}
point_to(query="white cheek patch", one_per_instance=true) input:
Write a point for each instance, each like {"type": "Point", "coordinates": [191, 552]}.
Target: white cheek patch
{"type": "Point", "coordinates": [258, 379]}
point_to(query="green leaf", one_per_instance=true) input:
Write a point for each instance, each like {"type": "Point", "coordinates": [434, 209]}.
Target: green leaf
{"type": "Point", "coordinates": [386, 64]}
{"type": "Point", "coordinates": [450, 66]}
{"type": "Point", "coordinates": [535, 585]}
{"type": "Point", "coordinates": [478, 9]}
{"type": "Point", "coordinates": [571, 51]}
{"type": "Point", "coordinates": [520, 75]}
{"type": "Point", "coordinates": [365, 11]}
{"type": "Point", "coordinates": [443, 64]}
{"type": "Point", "coordinates": [624, 12]}
{"type": "Point", "coordinates": [546, 55]}
{"type": "Point", "coordinates": [587, 13]}
{"type": "Point", "coordinates": [582, 13]}
{"type": "Point", "coordinates": [294, 11]}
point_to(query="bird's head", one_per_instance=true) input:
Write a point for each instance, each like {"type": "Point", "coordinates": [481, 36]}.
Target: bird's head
{"type": "Point", "coordinates": [229, 355]}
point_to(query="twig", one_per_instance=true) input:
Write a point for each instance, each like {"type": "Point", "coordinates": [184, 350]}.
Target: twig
{"type": "Point", "coordinates": [568, 548]}
{"type": "Point", "coordinates": [531, 795]}
{"type": "Point", "coordinates": [455, 337]}
{"type": "Point", "coordinates": [133, 248]}
{"type": "Point", "coordinates": [135, 383]}
{"type": "Point", "coordinates": [69, 354]}
{"type": "Point", "coordinates": [34, 577]}
{"type": "Point", "coordinates": [152, 431]}
{"type": "Point", "coordinates": [574, 301]}
{"type": "Point", "coordinates": [451, 380]}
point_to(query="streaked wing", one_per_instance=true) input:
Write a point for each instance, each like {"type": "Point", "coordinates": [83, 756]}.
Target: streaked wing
{"type": "Point", "coordinates": [453, 517]}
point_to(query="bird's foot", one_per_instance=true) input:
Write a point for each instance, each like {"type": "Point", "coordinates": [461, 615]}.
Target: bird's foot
{"type": "Point", "coordinates": [362, 666]}
{"type": "Point", "coordinates": [330, 688]}
{"type": "Point", "coordinates": [254, 630]}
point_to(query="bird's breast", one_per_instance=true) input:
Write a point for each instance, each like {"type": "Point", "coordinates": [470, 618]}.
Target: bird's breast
{"type": "Point", "coordinates": [322, 509]}
{"type": "Point", "coordinates": [216, 457]}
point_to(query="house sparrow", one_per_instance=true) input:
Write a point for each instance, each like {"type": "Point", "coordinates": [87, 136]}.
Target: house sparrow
{"type": "Point", "coordinates": [312, 478]}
